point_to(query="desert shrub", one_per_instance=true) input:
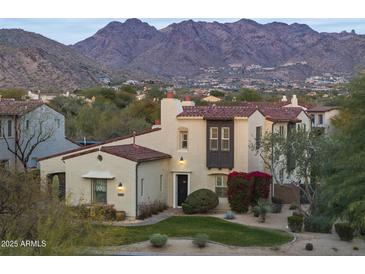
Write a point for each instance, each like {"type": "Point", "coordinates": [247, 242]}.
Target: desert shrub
{"type": "Point", "coordinates": [200, 201]}
{"type": "Point", "coordinates": [103, 212]}
{"type": "Point", "coordinates": [277, 205]}
{"type": "Point", "coordinates": [263, 207]}
{"type": "Point", "coordinates": [345, 231]}
{"type": "Point", "coordinates": [158, 240]}
{"type": "Point", "coordinates": [144, 211]}
{"type": "Point", "coordinates": [229, 215]}
{"type": "Point", "coordinates": [155, 207]}
{"type": "Point", "coordinates": [295, 223]}
{"type": "Point", "coordinates": [245, 189]}
{"type": "Point", "coordinates": [200, 240]}
{"type": "Point", "coordinates": [28, 212]}
{"type": "Point", "coordinates": [319, 224]}
{"type": "Point", "coordinates": [276, 208]}
{"type": "Point", "coordinates": [82, 210]}
{"type": "Point", "coordinates": [309, 247]}
{"type": "Point", "coordinates": [293, 206]}
{"type": "Point", "coordinates": [256, 211]}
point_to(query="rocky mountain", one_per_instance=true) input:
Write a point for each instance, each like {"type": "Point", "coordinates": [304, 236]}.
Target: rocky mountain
{"type": "Point", "coordinates": [31, 61]}
{"type": "Point", "coordinates": [183, 49]}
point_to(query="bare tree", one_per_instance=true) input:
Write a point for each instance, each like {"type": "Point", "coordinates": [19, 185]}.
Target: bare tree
{"type": "Point", "coordinates": [293, 159]}
{"type": "Point", "coordinates": [28, 138]}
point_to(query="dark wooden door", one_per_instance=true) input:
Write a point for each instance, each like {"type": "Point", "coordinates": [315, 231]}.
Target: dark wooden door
{"type": "Point", "coordinates": [182, 188]}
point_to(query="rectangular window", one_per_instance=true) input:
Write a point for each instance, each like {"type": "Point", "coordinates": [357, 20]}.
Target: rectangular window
{"type": "Point", "coordinates": [320, 118]}
{"type": "Point", "coordinates": [27, 124]}
{"type": "Point", "coordinates": [10, 128]}
{"type": "Point", "coordinates": [225, 138]}
{"type": "Point", "coordinates": [281, 130]}
{"type": "Point", "coordinates": [99, 191]}
{"type": "Point", "coordinates": [1, 129]}
{"type": "Point", "coordinates": [258, 137]}
{"type": "Point", "coordinates": [161, 183]}
{"type": "Point", "coordinates": [221, 186]}
{"type": "Point", "coordinates": [142, 185]}
{"type": "Point", "coordinates": [183, 140]}
{"type": "Point", "coordinates": [213, 138]}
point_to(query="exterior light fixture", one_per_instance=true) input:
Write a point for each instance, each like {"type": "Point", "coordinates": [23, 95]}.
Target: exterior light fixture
{"type": "Point", "coordinates": [120, 189]}
{"type": "Point", "coordinates": [181, 161]}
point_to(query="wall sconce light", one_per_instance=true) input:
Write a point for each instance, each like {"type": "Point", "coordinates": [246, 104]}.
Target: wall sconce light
{"type": "Point", "coordinates": [120, 189]}
{"type": "Point", "coordinates": [181, 161]}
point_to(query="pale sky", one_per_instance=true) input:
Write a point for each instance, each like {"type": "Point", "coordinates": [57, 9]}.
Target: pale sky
{"type": "Point", "coordinates": [70, 31]}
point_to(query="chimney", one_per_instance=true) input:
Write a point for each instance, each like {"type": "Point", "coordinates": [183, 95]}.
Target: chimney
{"type": "Point", "coordinates": [187, 102]}
{"type": "Point", "coordinates": [294, 101]}
{"type": "Point", "coordinates": [157, 124]}
{"type": "Point", "coordinates": [284, 99]}
{"type": "Point", "coordinates": [170, 94]}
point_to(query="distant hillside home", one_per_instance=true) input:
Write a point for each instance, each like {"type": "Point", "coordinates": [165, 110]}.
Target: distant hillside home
{"type": "Point", "coordinates": [211, 99]}
{"type": "Point", "coordinates": [322, 118]}
{"type": "Point", "coordinates": [192, 147]}
{"type": "Point", "coordinates": [30, 129]}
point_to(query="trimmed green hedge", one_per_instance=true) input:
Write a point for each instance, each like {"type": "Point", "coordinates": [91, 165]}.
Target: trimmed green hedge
{"type": "Point", "coordinates": [200, 201]}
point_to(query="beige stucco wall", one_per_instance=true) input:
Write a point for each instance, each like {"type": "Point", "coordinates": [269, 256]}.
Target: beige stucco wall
{"type": "Point", "coordinates": [255, 162]}
{"type": "Point", "coordinates": [150, 172]}
{"type": "Point", "coordinates": [78, 189]}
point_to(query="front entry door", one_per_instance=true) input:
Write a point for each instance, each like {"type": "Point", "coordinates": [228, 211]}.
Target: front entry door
{"type": "Point", "coordinates": [182, 188]}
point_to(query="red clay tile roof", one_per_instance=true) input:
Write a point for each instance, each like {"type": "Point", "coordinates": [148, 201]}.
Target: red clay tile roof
{"type": "Point", "coordinates": [96, 145]}
{"type": "Point", "coordinates": [131, 152]}
{"type": "Point", "coordinates": [284, 114]}
{"type": "Point", "coordinates": [19, 108]}
{"type": "Point", "coordinates": [321, 109]}
{"type": "Point", "coordinates": [135, 153]}
{"type": "Point", "coordinates": [216, 112]}
{"type": "Point", "coordinates": [272, 111]}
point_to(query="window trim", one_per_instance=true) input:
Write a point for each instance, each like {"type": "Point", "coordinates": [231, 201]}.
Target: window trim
{"type": "Point", "coordinates": [258, 138]}
{"type": "Point", "coordinates": [320, 119]}
{"type": "Point", "coordinates": [223, 187]}
{"type": "Point", "coordinates": [281, 130]}
{"type": "Point", "coordinates": [226, 139]}
{"type": "Point", "coordinates": [10, 128]}
{"type": "Point", "coordinates": [161, 183]}
{"type": "Point", "coordinates": [142, 186]}
{"type": "Point", "coordinates": [93, 191]}
{"type": "Point", "coordinates": [183, 133]}
{"type": "Point", "coordinates": [213, 139]}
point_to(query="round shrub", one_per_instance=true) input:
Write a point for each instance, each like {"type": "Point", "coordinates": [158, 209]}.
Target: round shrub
{"type": "Point", "coordinates": [345, 231]}
{"type": "Point", "coordinates": [158, 240]}
{"type": "Point", "coordinates": [200, 201]}
{"type": "Point", "coordinates": [309, 247]}
{"type": "Point", "coordinates": [256, 211]}
{"type": "Point", "coordinates": [200, 240]}
{"type": "Point", "coordinates": [295, 223]}
{"type": "Point", "coordinates": [229, 215]}
{"type": "Point", "coordinates": [318, 224]}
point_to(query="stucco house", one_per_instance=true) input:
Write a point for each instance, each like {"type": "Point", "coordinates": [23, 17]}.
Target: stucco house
{"type": "Point", "coordinates": [322, 118]}
{"type": "Point", "coordinates": [25, 123]}
{"type": "Point", "coordinates": [192, 147]}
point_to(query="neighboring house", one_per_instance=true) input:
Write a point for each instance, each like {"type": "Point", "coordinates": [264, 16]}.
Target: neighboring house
{"type": "Point", "coordinates": [192, 147]}
{"type": "Point", "coordinates": [322, 118]}
{"type": "Point", "coordinates": [211, 99]}
{"type": "Point", "coordinates": [26, 123]}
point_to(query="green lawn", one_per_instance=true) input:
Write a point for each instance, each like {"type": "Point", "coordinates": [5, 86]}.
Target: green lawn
{"type": "Point", "coordinates": [219, 230]}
